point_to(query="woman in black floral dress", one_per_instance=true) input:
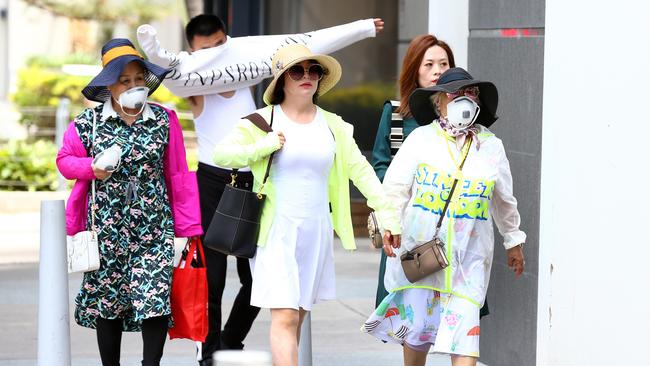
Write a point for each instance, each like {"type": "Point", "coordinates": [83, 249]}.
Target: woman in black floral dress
{"type": "Point", "coordinates": [138, 208]}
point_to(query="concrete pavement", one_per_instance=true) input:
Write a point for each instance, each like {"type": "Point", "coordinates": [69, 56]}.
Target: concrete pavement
{"type": "Point", "coordinates": [336, 338]}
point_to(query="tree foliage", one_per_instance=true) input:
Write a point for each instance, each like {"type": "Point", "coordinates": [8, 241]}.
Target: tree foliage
{"type": "Point", "coordinates": [130, 12]}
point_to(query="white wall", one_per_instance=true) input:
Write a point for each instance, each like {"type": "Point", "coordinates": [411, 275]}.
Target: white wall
{"type": "Point", "coordinates": [4, 50]}
{"type": "Point", "coordinates": [595, 211]}
{"type": "Point", "coordinates": [449, 21]}
{"type": "Point", "coordinates": [34, 31]}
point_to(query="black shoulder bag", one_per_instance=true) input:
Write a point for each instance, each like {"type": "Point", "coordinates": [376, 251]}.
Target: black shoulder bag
{"type": "Point", "coordinates": [236, 222]}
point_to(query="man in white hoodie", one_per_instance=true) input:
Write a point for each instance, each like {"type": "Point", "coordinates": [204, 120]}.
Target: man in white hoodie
{"type": "Point", "coordinates": [216, 78]}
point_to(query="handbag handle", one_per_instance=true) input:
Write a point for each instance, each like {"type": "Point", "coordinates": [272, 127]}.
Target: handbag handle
{"type": "Point", "coordinates": [453, 186]}
{"type": "Point", "coordinates": [260, 123]}
{"type": "Point", "coordinates": [192, 246]}
{"type": "Point", "coordinates": [196, 242]}
{"type": "Point", "coordinates": [92, 153]}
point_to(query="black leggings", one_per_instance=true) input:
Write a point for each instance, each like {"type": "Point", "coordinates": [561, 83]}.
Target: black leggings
{"type": "Point", "coordinates": [109, 339]}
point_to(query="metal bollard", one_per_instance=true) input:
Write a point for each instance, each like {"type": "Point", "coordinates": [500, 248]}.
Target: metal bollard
{"type": "Point", "coordinates": [242, 358]}
{"type": "Point", "coordinates": [304, 347]}
{"type": "Point", "coordinates": [53, 311]}
{"type": "Point", "coordinates": [62, 119]}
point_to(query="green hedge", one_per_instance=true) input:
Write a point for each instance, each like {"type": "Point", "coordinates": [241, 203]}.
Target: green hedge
{"type": "Point", "coordinates": [361, 106]}
{"type": "Point", "coordinates": [28, 166]}
{"type": "Point", "coordinates": [42, 83]}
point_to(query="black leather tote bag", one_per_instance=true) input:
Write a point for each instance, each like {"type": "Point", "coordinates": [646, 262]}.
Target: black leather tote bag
{"type": "Point", "coordinates": [236, 222]}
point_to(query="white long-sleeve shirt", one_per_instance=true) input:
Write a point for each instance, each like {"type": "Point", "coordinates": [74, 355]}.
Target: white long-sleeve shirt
{"type": "Point", "coordinates": [418, 182]}
{"type": "Point", "coordinates": [241, 61]}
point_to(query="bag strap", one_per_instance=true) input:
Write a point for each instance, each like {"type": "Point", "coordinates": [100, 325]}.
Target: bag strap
{"type": "Point", "coordinates": [453, 186]}
{"type": "Point", "coordinates": [396, 135]}
{"type": "Point", "coordinates": [198, 249]}
{"type": "Point", "coordinates": [261, 123]}
{"type": "Point", "coordinates": [92, 146]}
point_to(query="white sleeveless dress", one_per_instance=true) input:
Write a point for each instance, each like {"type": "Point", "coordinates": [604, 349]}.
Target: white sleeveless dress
{"type": "Point", "coordinates": [296, 267]}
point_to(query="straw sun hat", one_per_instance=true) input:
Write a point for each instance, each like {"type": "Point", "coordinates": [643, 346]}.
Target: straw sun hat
{"type": "Point", "coordinates": [292, 54]}
{"type": "Point", "coordinates": [116, 53]}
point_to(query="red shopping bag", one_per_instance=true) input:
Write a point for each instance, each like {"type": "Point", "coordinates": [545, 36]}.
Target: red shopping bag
{"type": "Point", "coordinates": [189, 298]}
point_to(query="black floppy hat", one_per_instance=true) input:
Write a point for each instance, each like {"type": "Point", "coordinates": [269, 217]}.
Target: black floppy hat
{"type": "Point", "coordinates": [452, 81]}
{"type": "Point", "coordinates": [116, 53]}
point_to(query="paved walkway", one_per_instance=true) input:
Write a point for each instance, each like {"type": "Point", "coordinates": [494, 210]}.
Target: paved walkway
{"type": "Point", "coordinates": [336, 339]}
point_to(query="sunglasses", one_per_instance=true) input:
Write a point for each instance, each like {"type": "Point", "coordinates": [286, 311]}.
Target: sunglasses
{"type": "Point", "coordinates": [314, 72]}
{"type": "Point", "coordinates": [471, 92]}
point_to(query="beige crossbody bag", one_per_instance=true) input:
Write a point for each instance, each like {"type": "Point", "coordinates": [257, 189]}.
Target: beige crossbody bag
{"type": "Point", "coordinates": [430, 257]}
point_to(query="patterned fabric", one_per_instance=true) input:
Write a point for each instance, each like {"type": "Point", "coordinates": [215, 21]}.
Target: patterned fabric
{"type": "Point", "coordinates": [420, 318]}
{"type": "Point", "coordinates": [460, 134]}
{"type": "Point", "coordinates": [134, 223]}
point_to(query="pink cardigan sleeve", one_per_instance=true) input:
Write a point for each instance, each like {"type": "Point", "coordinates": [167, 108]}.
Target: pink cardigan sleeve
{"type": "Point", "coordinates": [73, 160]}
{"type": "Point", "coordinates": [182, 187]}
{"type": "Point", "coordinates": [74, 163]}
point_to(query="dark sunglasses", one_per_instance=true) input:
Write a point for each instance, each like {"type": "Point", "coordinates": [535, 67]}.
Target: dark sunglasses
{"type": "Point", "coordinates": [470, 92]}
{"type": "Point", "coordinates": [314, 72]}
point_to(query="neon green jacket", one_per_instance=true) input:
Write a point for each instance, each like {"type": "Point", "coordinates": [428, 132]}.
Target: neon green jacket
{"type": "Point", "coordinates": [249, 146]}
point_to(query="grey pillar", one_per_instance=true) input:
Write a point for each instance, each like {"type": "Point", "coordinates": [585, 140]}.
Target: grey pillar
{"type": "Point", "coordinates": [304, 347]}
{"type": "Point", "coordinates": [53, 313]}
{"type": "Point", "coordinates": [506, 46]}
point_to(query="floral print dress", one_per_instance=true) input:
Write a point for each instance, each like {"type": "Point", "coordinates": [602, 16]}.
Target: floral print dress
{"type": "Point", "coordinates": [133, 220]}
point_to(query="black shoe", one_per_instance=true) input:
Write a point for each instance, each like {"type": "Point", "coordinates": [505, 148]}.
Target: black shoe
{"type": "Point", "coordinates": [226, 346]}
{"type": "Point", "coordinates": [206, 362]}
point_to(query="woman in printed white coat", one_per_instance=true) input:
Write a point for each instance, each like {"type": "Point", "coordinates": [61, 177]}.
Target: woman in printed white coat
{"type": "Point", "coordinates": [442, 309]}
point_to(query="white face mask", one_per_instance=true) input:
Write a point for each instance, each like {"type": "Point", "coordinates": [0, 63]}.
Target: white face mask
{"type": "Point", "coordinates": [134, 98]}
{"type": "Point", "coordinates": [462, 112]}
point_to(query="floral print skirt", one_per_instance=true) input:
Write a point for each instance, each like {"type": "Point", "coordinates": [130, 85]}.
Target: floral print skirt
{"type": "Point", "coordinates": [419, 318]}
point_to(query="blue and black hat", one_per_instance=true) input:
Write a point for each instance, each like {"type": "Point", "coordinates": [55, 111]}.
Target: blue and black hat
{"type": "Point", "coordinates": [452, 81]}
{"type": "Point", "coordinates": [116, 53]}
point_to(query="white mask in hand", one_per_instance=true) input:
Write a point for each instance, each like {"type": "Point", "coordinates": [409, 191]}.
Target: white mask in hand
{"type": "Point", "coordinates": [109, 159]}
{"type": "Point", "coordinates": [134, 98]}
{"type": "Point", "coordinates": [462, 112]}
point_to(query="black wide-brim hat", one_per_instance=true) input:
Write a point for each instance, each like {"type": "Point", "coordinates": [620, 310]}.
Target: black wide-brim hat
{"type": "Point", "coordinates": [452, 81]}
{"type": "Point", "coordinates": [116, 53]}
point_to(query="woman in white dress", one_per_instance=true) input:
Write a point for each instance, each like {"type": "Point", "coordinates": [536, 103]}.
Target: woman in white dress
{"type": "Point", "coordinates": [442, 309]}
{"type": "Point", "coordinates": [307, 192]}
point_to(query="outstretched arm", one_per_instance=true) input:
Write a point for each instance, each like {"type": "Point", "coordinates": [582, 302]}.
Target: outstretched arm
{"type": "Point", "coordinates": [242, 61]}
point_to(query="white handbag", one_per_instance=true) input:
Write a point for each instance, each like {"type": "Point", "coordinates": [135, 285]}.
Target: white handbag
{"type": "Point", "coordinates": [83, 247]}
{"type": "Point", "coordinates": [83, 252]}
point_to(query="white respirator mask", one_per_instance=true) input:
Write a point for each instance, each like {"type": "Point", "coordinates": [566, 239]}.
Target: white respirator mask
{"type": "Point", "coordinates": [134, 98]}
{"type": "Point", "coordinates": [462, 112]}
{"type": "Point", "coordinates": [109, 159]}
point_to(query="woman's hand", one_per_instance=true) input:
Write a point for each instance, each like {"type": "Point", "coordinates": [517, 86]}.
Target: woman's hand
{"type": "Point", "coordinates": [516, 260]}
{"type": "Point", "coordinates": [281, 138]}
{"type": "Point", "coordinates": [391, 241]}
{"type": "Point", "coordinates": [379, 25]}
{"type": "Point", "coordinates": [100, 174]}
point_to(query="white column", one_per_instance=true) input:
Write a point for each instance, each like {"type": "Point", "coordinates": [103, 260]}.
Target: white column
{"type": "Point", "coordinates": [594, 219]}
{"type": "Point", "coordinates": [242, 358]}
{"type": "Point", "coordinates": [449, 21]}
{"type": "Point", "coordinates": [4, 50]}
{"type": "Point", "coordinates": [53, 312]}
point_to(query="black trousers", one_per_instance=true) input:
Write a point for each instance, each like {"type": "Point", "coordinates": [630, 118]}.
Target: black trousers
{"type": "Point", "coordinates": [211, 182]}
{"type": "Point", "coordinates": [109, 340]}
